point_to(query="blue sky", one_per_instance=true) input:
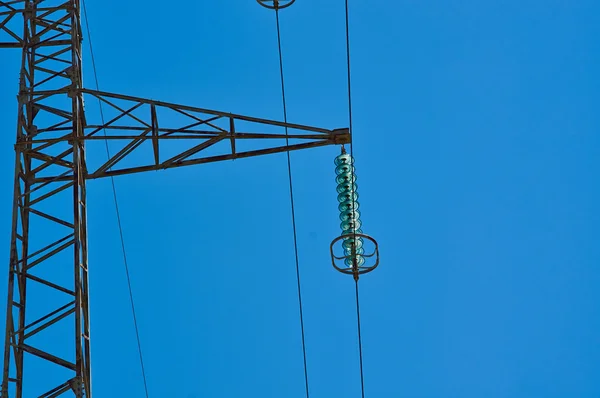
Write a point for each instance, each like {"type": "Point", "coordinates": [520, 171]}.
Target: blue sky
{"type": "Point", "coordinates": [476, 149]}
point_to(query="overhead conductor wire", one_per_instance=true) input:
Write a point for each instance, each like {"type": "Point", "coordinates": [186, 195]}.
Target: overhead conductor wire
{"type": "Point", "coordinates": [289, 164]}
{"type": "Point", "coordinates": [362, 378]}
{"type": "Point", "coordinates": [114, 189]}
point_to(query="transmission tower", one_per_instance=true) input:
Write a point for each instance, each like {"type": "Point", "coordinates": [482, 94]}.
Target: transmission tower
{"type": "Point", "coordinates": [50, 179]}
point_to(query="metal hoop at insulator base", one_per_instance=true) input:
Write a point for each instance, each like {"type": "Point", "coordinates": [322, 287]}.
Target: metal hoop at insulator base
{"type": "Point", "coordinates": [276, 4]}
{"type": "Point", "coordinates": [355, 258]}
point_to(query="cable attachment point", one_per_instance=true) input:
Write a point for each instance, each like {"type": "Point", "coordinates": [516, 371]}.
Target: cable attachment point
{"type": "Point", "coordinates": [276, 4]}
{"type": "Point", "coordinates": [360, 251]}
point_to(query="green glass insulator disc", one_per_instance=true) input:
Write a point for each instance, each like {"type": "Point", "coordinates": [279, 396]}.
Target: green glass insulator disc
{"type": "Point", "coordinates": [347, 187]}
{"type": "Point", "coordinates": [348, 243]}
{"type": "Point", "coordinates": [350, 225]}
{"type": "Point", "coordinates": [344, 158]}
{"type": "Point", "coordinates": [347, 205]}
{"type": "Point", "coordinates": [360, 260]}
{"type": "Point", "coordinates": [358, 252]}
{"type": "Point", "coordinates": [347, 215]}
{"type": "Point", "coordinates": [347, 196]}
{"type": "Point", "coordinates": [350, 232]}
{"type": "Point", "coordinates": [345, 178]}
{"type": "Point", "coordinates": [344, 169]}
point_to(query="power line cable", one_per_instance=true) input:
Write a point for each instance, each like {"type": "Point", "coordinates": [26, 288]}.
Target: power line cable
{"type": "Point", "coordinates": [362, 378]}
{"type": "Point", "coordinates": [114, 190]}
{"type": "Point", "coordinates": [289, 164]}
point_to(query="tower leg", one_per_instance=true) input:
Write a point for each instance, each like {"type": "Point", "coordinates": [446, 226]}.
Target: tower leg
{"type": "Point", "coordinates": [48, 294]}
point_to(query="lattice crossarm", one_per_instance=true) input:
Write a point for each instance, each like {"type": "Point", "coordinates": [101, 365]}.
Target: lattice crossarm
{"type": "Point", "coordinates": [144, 135]}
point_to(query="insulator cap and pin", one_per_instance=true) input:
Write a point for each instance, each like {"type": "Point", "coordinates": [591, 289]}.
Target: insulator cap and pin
{"type": "Point", "coordinates": [355, 260]}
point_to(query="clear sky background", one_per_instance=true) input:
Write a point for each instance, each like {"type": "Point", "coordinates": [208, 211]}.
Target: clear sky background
{"type": "Point", "coordinates": [476, 144]}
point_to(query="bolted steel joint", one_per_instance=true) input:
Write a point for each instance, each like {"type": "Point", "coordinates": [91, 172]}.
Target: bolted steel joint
{"type": "Point", "coordinates": [341, 136]}
{"type": "Point", "coordinates": [72, 73]}
{"type": "Point", "coordinates": [22, 96]}
{"type": "Point", "coordinates": [77, 387]}
{"type": "Point", "coordinates": [73, 91]}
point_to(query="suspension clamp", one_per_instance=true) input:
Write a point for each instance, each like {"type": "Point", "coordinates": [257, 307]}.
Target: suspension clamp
{"type": "Point", "coordinates": [276, 4]}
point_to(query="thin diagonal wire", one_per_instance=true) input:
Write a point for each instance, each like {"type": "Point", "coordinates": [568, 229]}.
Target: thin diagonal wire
{"type": "Point", "coordinates": [114, 189]}
{"type": "Point", "coordinates": [289, 164]}
{"type": "Point", "coordinates": [362, 378]}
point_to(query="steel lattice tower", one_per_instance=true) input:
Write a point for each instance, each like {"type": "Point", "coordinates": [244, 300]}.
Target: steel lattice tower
{"type": "Point", "coordinates": [50, 183]}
